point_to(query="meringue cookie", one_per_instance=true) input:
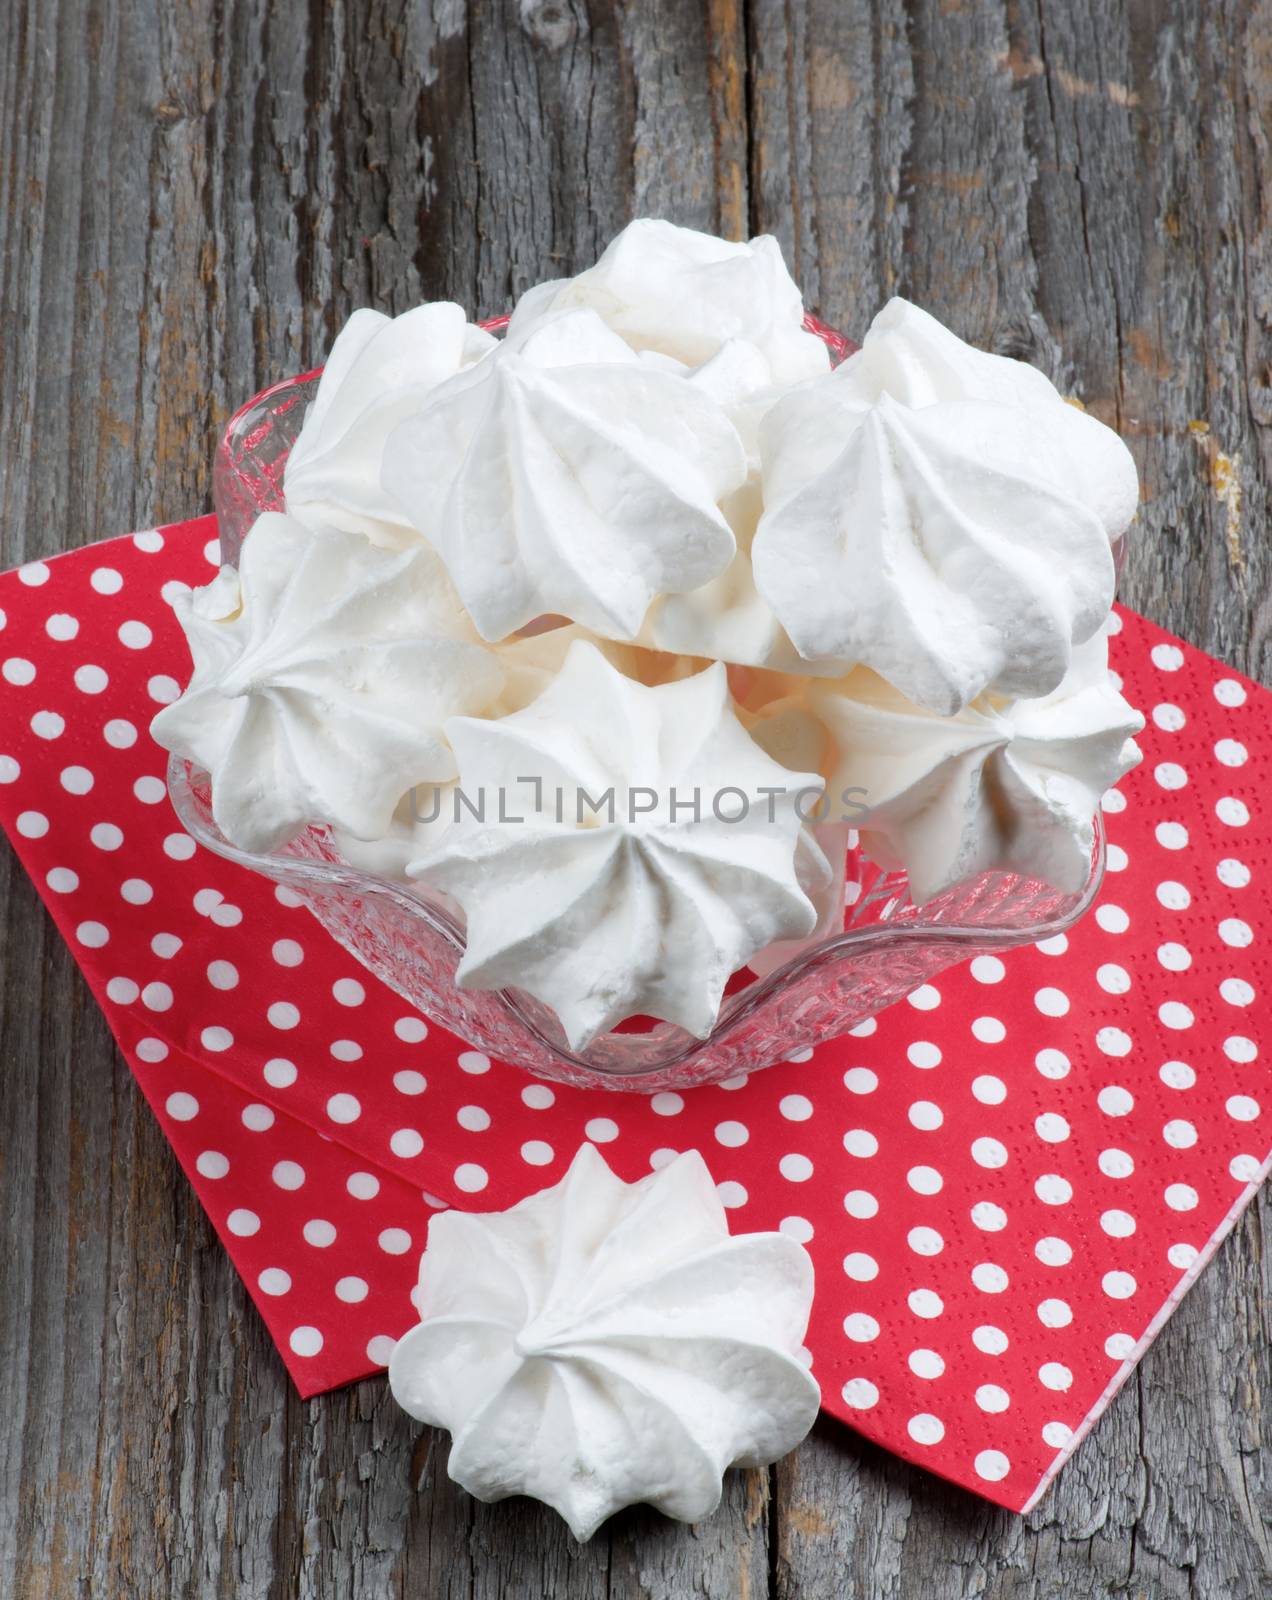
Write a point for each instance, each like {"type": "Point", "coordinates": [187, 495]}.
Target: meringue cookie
{"type": "Point", "coordinates": [528, 665]}
{"type": "Point", "coordinates": [791, 733]}
{"type": "Point", "coordinates": [786, 728]}
{"type": "Point", "coordinates": [418, 822]}
{"type": "Point", "coordinates": [611, 898]}
{"type": "Point", "coordinates": [321, 696]}
{"type": "Point", "coordinates": [726, 619]}
{"type": "Point", "coordinates": [1010, 786]}
{"type": "Point", "coordinates": [824, 886]}
{"type": "Point", "coordinates": [915, 359]}
{"type": "Point", "coordinates": [603, 1343]}
{"type": "Point", "coordinates": [685, 293]}
{"type": "Point", "coordinates": [564, 474]}
{"type": "Point", "coordinates": [380, 370]}
{"type": "Point", "coordinates": [926, 544]}
{"type": "Point", "coordinates": [531, 661]}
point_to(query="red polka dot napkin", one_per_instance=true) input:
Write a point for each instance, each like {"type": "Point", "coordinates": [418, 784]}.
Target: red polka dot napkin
{"type": "Point", "coordinates": [1006, 1183]}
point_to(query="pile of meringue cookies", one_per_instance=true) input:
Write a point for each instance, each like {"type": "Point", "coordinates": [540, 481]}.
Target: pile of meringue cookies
{"type": "Point", "coordinates": [649, 546]}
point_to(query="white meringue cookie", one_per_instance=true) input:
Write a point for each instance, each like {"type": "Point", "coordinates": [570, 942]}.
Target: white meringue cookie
{"type": "Point", "coordinates": [602, 1344]}
{"type": "Point", "coordinates": [726, 619]}
{"type": "Point", "coordinates": [684, 294]}
{"type": "Point", "coordinates": [603, 911]}
{"type": "Point", "coordinates": [915, 359]}
{"type": "Point", "coordinates": [739, 378]}
{"type": "Point", "coordinates": [529, 664]}
{"type": "Point", "coordinates": [824, 886]}
{"type": "Point", "coordinates": [793, 734]}
{"type": "Point", "coordinates": [321, 697]}
{"type": "Point", "coordinates": [1010, 786]}
{"type": "Point", "coordinates": [565, 474]}
{"type": "Point", "coordinates": [956, 495]}
{"type": "Point", "coordinates": [220, 600]}
{"type": "Point", "coordinates": [418, 823]}
{"type": "Point", "coordinates": [380, 370]}
{"type": "Point", "coordinates": [926, 544]}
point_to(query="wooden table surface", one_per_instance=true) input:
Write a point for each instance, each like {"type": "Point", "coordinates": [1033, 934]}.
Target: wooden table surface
{"type": "Point", "coordinates": [193, 195]}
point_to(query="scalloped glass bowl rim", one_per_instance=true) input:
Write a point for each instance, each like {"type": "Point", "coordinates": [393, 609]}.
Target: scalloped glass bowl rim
{"type": "Point", "coordinates": [735, 1008]}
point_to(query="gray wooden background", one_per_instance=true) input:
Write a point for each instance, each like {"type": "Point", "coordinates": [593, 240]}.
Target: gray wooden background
{"type": "Point", "coordinates": [193, 195]}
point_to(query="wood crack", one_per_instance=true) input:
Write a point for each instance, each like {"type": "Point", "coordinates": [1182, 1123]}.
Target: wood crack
{"type": "Point", "coordinates": [193, 197]}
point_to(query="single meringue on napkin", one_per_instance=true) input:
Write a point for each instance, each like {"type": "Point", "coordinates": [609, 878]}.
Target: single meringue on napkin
{"type": "Point", "coordinates": [953, 537]}
{"type": "Point", "coordinates": [380, 369]}
{"type": "Point", "coordinates": [684, 293]}
{"type": "Point", "coordinates": [323, 672]}
{"type": "Point", "coordinates": [603, 1344]}
{"type": "Point", "coordinates": [635, 847]}
{"type": "Point", "coordinates": [565, 474]}
{"type": "Point", "coordinates": [1006, 785]}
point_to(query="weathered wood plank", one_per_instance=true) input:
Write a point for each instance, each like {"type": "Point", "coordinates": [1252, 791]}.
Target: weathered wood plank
{"type": "Point", "coordinates": [1084, 185]}
{"type": "Point", "coordinates": [192, 197]}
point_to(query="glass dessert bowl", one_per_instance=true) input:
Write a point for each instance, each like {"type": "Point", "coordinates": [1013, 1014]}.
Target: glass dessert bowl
{"type": "Point", "coordinates": [413, 940]}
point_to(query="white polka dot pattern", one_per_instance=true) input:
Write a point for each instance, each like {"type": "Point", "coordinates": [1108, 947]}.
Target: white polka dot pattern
{"type": "Point", "coordinates": [1001, 1182]}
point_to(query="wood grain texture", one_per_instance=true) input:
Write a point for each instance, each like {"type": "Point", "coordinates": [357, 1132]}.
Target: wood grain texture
{"type": "Point", "coordinates": [193, 195]}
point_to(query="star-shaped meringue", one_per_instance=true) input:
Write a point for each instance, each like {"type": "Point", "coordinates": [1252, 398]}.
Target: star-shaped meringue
{"type": "Point", "coordinates": [605, 1343]}
{"type": "Point", "coordinates": [636, 846]}
{"type": "Point", "coordinates": [926, 544]}
{"type": "Point", "coordinates": [910, 356]}
{"type": "Point", "coordinates": [323, 672]}
{"type": "Point", "coordinates": [564, 474]}
{"type": "Point", "coordinates": [684, 294]}
{"type": "Point", "coordinates": [1003, 785]}
{"type": "Point", "coordinates": [380, 370]}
